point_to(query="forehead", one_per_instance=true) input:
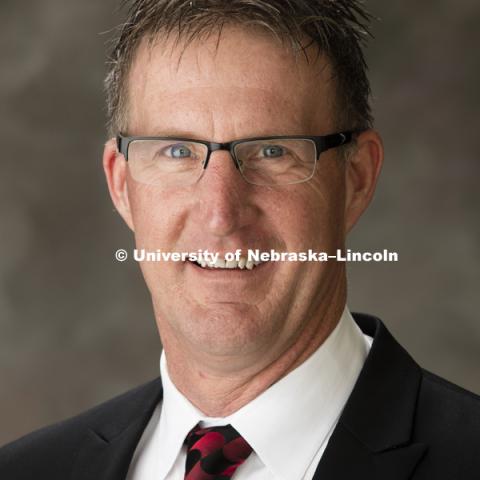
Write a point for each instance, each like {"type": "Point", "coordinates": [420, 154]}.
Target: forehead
{"type": "Point", "coordinates": [242, 73]}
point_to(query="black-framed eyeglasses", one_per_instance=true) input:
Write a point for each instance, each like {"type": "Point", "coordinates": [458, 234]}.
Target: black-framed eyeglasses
{"type": "Point", "coordinates": [277, 160]}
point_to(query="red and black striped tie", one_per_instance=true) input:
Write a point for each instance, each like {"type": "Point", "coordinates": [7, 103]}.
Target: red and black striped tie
{"type": "Point", "coordinates": [214, 453]}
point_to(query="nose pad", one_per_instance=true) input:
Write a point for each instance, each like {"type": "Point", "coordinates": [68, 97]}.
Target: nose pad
{"type": "Point", "coordinates": [238, 163]}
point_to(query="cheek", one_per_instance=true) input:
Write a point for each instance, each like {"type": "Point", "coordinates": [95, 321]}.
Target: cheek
{"type": "Point", "coordinates": [158, 216]}
{"type": "Point", "coordinates": [311, 215]}
{"type": "Point", "coordinates": [157, 220]}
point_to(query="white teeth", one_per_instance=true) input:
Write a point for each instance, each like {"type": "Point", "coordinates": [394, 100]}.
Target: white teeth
{"type": "Point", "coordinates": [230, 264]}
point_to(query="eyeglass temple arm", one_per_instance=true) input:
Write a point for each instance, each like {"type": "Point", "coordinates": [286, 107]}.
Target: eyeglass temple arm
{"type": "Point", "coordinates": [335, 140]}
{"type": "Point", "coordinates": [120, 143]}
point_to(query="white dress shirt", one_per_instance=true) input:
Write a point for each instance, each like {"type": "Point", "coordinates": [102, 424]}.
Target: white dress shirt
{"type": "Point", "coordinates": [288, 425]}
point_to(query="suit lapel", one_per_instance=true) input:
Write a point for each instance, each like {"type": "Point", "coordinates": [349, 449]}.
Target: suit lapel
{"type": "Point", "coordinates": [111, 440]}
{"type": "Point", "coordinates": [372, 439]}
{"type": "Point", "coordinates": [346, 457]}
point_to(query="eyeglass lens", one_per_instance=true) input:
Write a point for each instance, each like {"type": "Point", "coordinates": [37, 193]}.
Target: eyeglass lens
{"type": "Point", "coordinates": [261, 162]}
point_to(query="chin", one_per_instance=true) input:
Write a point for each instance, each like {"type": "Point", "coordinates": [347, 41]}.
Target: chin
{"type": "Point", "coordinates": [225, 328]}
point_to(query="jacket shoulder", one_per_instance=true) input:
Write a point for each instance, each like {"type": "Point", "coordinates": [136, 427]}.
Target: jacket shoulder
{"type": "Point", "coordinates": [49, 452]}
{"type": "Point", "coordinates": [455, 409]}
{"type": "Point", "coordinates": [448, 421]}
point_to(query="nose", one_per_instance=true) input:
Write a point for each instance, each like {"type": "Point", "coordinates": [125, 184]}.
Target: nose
{"type": "Point", "coordinates": [223, 197]}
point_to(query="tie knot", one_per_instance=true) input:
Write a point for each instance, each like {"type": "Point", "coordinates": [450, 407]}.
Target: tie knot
{"type": "Point", "coordinates": [214, 452]}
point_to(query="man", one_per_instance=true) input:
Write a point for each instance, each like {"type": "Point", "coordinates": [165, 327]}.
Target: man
{"type": "Point", "coordinates": [245, 125]}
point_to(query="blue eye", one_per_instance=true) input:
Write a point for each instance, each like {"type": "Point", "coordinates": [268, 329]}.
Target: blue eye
{"type": "Point", "coordinates": [273, 151]}
{"type": "Point", "coordinates": [180, 151]}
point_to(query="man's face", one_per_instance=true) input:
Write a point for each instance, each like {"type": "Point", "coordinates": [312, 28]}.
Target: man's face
{"type": "Point", "coordinates": [249, 86]}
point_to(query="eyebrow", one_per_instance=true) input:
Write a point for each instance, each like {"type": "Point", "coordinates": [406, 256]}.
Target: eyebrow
{"type": "Point", "coordinates": [159, 132]}
{"type": "Point", "coordinates": [174, 133]}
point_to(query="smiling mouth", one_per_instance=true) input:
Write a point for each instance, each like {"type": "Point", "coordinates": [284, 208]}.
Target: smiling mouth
{"type": "Point", "coordinates": [242, 264]}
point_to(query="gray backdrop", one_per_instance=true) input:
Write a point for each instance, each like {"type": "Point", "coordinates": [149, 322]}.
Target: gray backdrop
{"type": "Point", "coordinates": [76, 327]}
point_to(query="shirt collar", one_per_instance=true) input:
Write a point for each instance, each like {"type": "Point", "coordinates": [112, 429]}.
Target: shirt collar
{"type": "Point", "coordinates": [300, 409]}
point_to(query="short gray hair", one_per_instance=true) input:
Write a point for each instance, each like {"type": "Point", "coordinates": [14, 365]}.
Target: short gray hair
{"type": "Point", "coordinates": [339, 28]}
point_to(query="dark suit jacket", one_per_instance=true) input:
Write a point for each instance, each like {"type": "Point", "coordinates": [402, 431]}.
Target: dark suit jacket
{"type": "Point", "coordinates": [399, 423]}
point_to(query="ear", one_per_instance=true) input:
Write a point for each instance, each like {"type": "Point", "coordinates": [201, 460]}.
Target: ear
{"type": "Point", "coordinates": [361, 174]}
{"type": "Point", "coordinates": [115, 167]}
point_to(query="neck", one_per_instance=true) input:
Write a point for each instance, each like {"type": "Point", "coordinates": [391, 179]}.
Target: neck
{"type": "Point", "coordinates": [218, 390]}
